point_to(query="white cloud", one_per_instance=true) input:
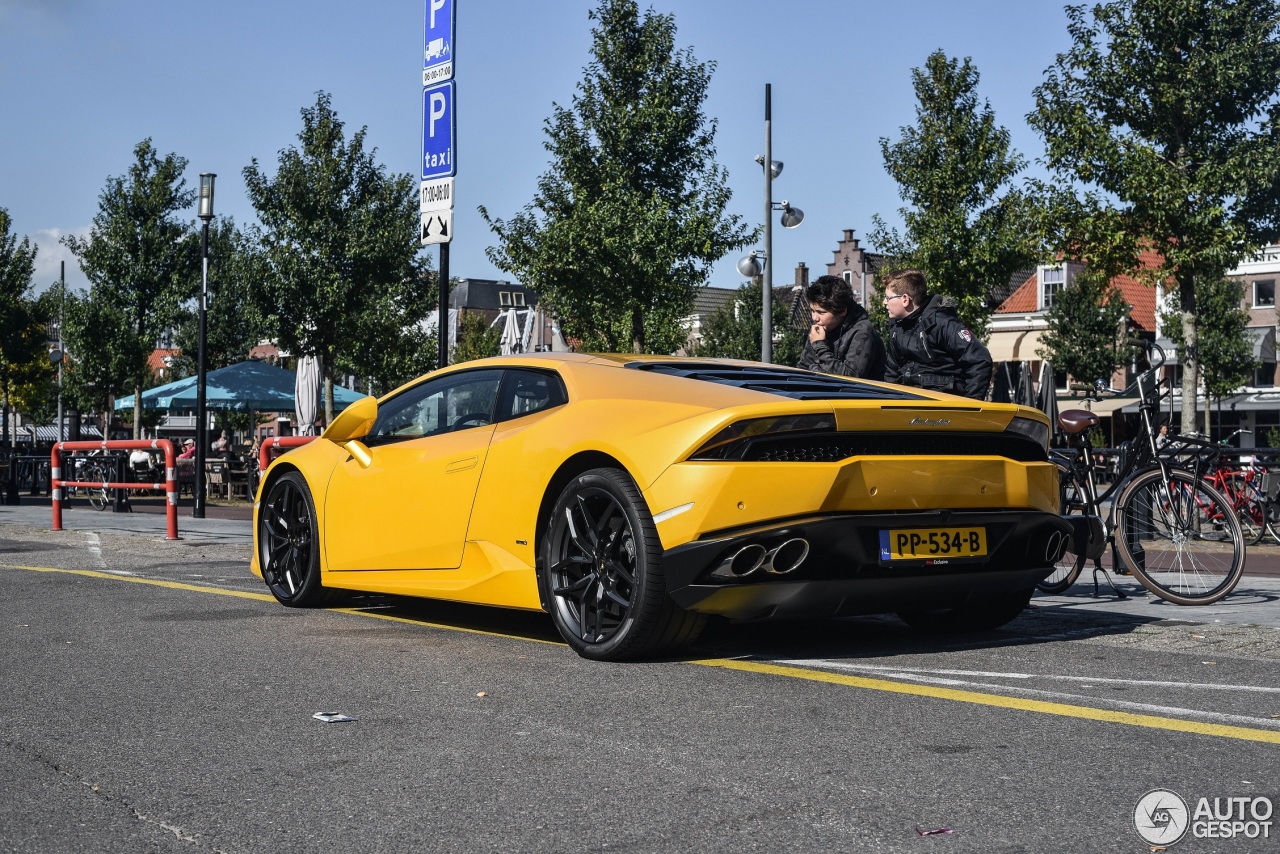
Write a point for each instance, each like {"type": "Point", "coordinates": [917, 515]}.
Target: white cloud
{"type": "Point", "coordinates": [50, 257]}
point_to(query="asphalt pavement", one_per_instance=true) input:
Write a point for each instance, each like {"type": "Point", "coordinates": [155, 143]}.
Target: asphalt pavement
{"type": "Point", "coordinates": [1255, 602]}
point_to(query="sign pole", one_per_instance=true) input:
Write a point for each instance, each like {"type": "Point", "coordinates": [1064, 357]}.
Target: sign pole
{"type": "Point", "coordinates": [442, 329]}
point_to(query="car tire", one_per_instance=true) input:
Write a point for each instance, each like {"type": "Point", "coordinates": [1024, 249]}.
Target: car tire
{"type": "Point", "coordinates": [288, 544]}
{"type": "Point", "coordinates": [602, 576]}
{"type": "Point", "coordinates": [975, 617]}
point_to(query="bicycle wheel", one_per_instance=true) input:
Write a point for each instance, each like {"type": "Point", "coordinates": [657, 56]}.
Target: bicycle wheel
{"type": "Point", "coordinates": [1180, 537]}
{"type": "Point", "coordinates": [99, 496]}
{"type": "Point", "coordinates": [1069, 566]}
{"type": "Point", "coordinates": [1241, 494]}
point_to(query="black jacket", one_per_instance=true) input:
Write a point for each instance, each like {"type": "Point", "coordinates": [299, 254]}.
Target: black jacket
{"type": "Point", "coordinates": [856, 350]}
{"type": "Point", "coordinates": [932, 349]}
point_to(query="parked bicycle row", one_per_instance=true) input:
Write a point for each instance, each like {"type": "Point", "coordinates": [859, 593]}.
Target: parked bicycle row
{"type": "Point", "coordinates": [1160, 509]}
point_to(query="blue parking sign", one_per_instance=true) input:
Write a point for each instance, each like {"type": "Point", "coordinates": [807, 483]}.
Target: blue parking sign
{"type": "Point", "coordinates": [437, 44]}
{"type": "Point", "coordinates": [438, 130]}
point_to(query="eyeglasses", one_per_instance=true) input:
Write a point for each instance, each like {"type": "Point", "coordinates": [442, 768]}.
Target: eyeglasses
{"type": "Point", "coordinates": [893, 297]}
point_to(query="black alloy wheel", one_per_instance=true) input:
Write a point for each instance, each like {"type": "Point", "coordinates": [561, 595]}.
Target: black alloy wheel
{"type": "Point", "coordinates": [603, 576]}
{"type": "Point", "coordinates": [288, 546]}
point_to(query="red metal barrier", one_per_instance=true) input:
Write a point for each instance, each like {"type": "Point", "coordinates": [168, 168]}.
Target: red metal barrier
{"type": "Point", "coordinates": [264, 453]}
{"type": "Point", "coordinates": [169, 486]}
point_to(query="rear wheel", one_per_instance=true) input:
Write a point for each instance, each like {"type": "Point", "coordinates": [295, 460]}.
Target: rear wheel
{"type": "Point", "coordinates": [602, 572]}
{"type": "Point", "coordinates": [288, 545]}
{"type": "Point", "coordinates": [976, 617]}
{"type": "Point", "coordinates": [1179, 537]}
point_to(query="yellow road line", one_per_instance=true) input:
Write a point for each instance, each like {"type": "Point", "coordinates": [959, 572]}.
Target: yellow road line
{"type": "Point", "coordinates": [810, 675]}
{"type": "Point", "coordinates": [998, 700]}
{"type": "Point", "coordinates": [265, 597]}
{"type": "Point", "coordinates": [154, 582]}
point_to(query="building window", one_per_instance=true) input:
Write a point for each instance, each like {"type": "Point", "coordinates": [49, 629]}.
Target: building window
{"type": "Point", "coordinates": [1264, 294]}
{"type": "Point", "coordinates": [848, 276]}
{"type": "Point", "coordinates": [1265, 375]}
{"type": "Point", "coordinates": [517, 298]}
{"type": "Point", "coordinates": [504, 297]}
{"type": "Point", "coordinates": [1052, 281]}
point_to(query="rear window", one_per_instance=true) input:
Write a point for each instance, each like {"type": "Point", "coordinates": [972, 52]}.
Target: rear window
{"type": "Point", "coordinates": [785, 382]}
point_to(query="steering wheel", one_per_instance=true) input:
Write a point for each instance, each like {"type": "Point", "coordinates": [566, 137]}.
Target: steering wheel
{"type": "Point", "coordinates": [472, 419]}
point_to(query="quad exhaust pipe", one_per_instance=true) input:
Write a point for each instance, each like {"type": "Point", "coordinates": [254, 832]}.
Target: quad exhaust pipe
{"type": "Point", "coordinates": [744, 561]}
{"type": "Point", "coordinates": [1055, 547]}
{"type": "Point", "coordinates": [753, 557]}
{"type": "Point", "coordinates": [787, 557]}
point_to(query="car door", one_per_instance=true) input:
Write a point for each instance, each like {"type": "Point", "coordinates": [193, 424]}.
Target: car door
{"type": "Point", "coordinates": [410, 506]}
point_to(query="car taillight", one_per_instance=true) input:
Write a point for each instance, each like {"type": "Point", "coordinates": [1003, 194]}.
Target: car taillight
{"type": "Point", "coordinates": [1032, 429]}
{"type": "Point", "coordinates": [729, 443]}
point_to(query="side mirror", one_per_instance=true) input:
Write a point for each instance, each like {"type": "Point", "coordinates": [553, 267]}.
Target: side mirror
{"type": "Point", "coordinates": [353, 422]}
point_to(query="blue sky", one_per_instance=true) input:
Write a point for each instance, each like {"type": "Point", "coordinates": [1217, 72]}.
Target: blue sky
{"type": "Point", "coordinates": [83, 81]}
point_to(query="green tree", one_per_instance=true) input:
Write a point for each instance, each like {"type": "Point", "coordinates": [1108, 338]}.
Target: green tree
{"type": "Point", "coordinates": [733, 330]}
{"type": "Point", "coordinates": [234, 322]}
{"type": "Point", "coordinates": [22, 333]}
{"type": "Point", "coordinates": [387, 350]}
{"type": "Point", "coordinates": [1226, 358]}
{"type": "Point", "coordinates": [33, 388]}
{"type": "Point", "coordinates": [141, 261]}
{"type": "Point", "coordinates": [340, 246]}
{"type": "Point", "coordinates": [1086, 329]}
{"type": "Point", "coordinates": [1163, 119]}
{"type": "Point", "coordinates": [477, 338]}
{"type": "Point", "coordinates": [628, 220]}
{"type": "Point", "coordinates": [99, 360]}
{"type": "Point", "coordinates": [965, 227]}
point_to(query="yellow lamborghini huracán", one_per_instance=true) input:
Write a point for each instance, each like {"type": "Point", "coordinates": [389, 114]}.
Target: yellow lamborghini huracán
{"type": "Point", "coordinates": [633, 496]}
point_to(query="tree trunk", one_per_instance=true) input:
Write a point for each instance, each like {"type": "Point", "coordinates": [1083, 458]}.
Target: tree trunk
{"type": "Point", "coordinates": [328, 399]}
{"type": "Point", "coordinates": [637, 331]}
{"type": "Point", "coordinates": [1190, 358]}
{"type": "Point", "coordinates": [137, 411]}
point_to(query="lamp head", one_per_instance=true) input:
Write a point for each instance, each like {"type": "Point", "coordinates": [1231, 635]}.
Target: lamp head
{"type": "Point", "coordinates": [775, 166]}
{"type": "Point", "coordinates": [206, 196]}
{"type": "Point", "coordinates": [751, 266]}
{"type": "Point", "coordinates": [791, 217]}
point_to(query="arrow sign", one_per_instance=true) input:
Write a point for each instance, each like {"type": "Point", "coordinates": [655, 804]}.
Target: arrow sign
{"type": "Point", "coordinates": [437, 227]}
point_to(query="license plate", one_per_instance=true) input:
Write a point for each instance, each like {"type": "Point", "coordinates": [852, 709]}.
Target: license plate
{"type": "Point", "coordinates": [933, 545]}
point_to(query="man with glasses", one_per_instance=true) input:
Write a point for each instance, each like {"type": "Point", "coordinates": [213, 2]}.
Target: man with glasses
{"type": "Point", "coordinates": [928, 346]}
{"type": "Point", "coordinates": [841, 339]}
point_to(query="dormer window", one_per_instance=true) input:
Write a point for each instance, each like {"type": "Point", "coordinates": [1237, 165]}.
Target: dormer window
{"type": "Point", "coordinates": [1052, 281]}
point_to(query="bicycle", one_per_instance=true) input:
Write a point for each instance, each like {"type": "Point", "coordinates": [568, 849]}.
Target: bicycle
{"type": "Point", "coordinates": [1173, 531]}
{"type": "Point", "coordinates": [1240, 483]}
{"type": "Point", "coordinates": [96, 470]}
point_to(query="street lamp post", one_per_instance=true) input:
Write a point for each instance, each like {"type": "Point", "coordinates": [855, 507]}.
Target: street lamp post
{"type": "Point", "coordinates": [202, 417]}
{"type": "Point", "coordinates": [791, 217]}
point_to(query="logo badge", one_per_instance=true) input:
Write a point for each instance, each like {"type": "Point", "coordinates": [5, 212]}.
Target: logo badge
{"type": "Point", "coordinates": [1161, 817]}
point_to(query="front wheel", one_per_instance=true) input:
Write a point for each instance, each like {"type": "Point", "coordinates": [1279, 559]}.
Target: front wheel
{"type": "Point", "coordinates": [602, 572]}
{"type": "Point", "coordinates": [288, 545]}
{"type": "Point", "coordinates": [1179, 537]}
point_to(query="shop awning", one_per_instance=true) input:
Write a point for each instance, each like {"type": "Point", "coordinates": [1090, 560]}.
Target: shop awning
{"type": "Point", "coordinates": [1015, 346]}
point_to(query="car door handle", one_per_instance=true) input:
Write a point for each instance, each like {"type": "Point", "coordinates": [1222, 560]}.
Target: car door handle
{"type": "Point", "coordinates": [461, 465]}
